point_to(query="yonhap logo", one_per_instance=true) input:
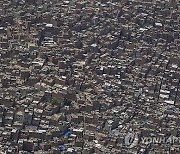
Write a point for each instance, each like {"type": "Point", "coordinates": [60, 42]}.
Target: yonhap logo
{"type": "Point", "coordinates": [131, 140]}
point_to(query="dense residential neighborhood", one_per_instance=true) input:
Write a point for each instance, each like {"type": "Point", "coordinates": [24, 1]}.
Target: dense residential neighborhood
{"type": "Point", "coordinates": [82, 77]}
